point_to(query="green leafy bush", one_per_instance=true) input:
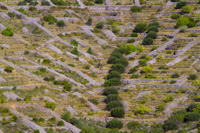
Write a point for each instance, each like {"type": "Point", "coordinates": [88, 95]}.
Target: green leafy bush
{"type": "Point", "coordinates": [122, 61]}
{"type": "Point", "coordinates": [50, 19]}
{"type": "Point", "coordinates": [130, 48]}
{"type": "Point", "coordinates": [75, 51]}
{"type": "Point", "coordinates": [194, 107]}
{"type": "Point", "coordinates": [175, 75]}
{"type": "Point", "coordinates": [153, 28]}
{"type": "Point", "coordinates": [58, 2]}
{"type": "Point", "coordinates": [192, 77]}
{"type": "Point", "coordinates": [193, 34]}
{"type": "Point", "coordinates": [182, 21]}
{"type": "Point", "coordinates": [174, 0]}
{"type": "Point", "coordinates": [136, 9]}
{"type": "Point", "coordinates": [186, 9]}
{"type": "Point", "coordinates": [140, 28]}
{"type": "Point", "coordinates": [133, 125]}
{"type": "Point", "coordinates": [134, 34]}
{"type": "Point", "coordinates": [142, 109]}
{"type": "Point", "coordinates": [175, 16]}
{"type": "Point", "coordinates": [113, 74]}
{"type": "Point", "coordinates": [66, 116]}
{"type": "Point", "coordinates": [112, 97]}
{"type": "Point", "coordinates": [115, 124]}
{"type": "Point", "coordinates": [99, 1]}
{"type": "Point", "coordinates": [170, 125]}
{"type": "Point", "coordinates": [45, 3]}
{"type": "Point", "coordinates": [74, 42]}
{"type": "Point", "coordinates": [147, 41]}
{"type": "Point", "coordinates": [11, 14]}
{"type": "Point", "coordinates": [146, 69]}
{"type": "Point", "coordinates": [168, 99]}
{"type": "Point", "coordinates": [117, 112]}
{"type": "Point", "coordinates": [9, 69]}
{"type": "Point", "coordinates": [130, 40]}
{"type": "Point", "coordinates": [152, 34]}
{"type": "Point", "coordinates": [180, 4]}
{"type": "Point", "coordinates": [60, 123]}
{"type": "Point", "coordinates": [118, 67]}
{"type": "Point", "coordinates": [134, 69]}
{"type": "Point", "coordinates": [108, 91]}
{"type": "Point", "coordinates": [50, 105]}
{"type": "Point", "coordinates": [113, 104]}
{"type": "Point", "coordinates": [60, 23]}
{"type": "Point", "coordinates": [155, 23]}
{"type": "Point", "coordinates": [112, 82]}
{"type": "Point", "coordinates": [192, 116]}
{"type": "Point", "coordinates": [100, 25]}
{"type": "Point", "coordinates": [135, 76]}
{"type": "Point", "coordinates": [8, 32]}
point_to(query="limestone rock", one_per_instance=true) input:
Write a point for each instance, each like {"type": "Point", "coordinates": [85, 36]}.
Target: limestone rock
{"type": "Point", "coordinates": [25, 30]}
{"type": "Point", "coordinates": [77, 94]}
{"type": "Point", "coordinates": [11, 96]}
{"type": "Point", "coordinates": [2, 27]}
{"type": "Point", "coordinates": [5, 45]}
{"type": "Point", "coordinates": [48, 99]}
{"type": "Point", "coordinates": [71, 110]}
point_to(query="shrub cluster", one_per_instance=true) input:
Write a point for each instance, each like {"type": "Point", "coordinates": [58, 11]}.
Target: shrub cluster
{"type": "Point", "coordinates": [50, 19]}
{"type": "Point", "coordinates": [8, 32]}
{"type": "Point", "coordinates": [186, 21]}
{"type": "Point", "coordinates": [25, 2]}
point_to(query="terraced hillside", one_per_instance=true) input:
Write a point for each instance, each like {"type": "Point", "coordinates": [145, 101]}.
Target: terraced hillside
{"type": "Point", "coordinates": [99, 66]}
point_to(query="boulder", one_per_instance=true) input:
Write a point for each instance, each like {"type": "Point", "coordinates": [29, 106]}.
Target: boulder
{"type": "Point", "coordinates": [71, 110]}
{"type": "Point", "coordinates": [11, 96]}
{"type": "Point", "coordinates": [48, 99]}
{"type": "Point", "coordinates": [2, 27]}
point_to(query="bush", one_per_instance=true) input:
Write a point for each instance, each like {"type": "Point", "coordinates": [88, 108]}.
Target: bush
{"type": "Point", "coordinates": [89, 22]}
{"type": "Point", "coordinates": [122, 61]}
{"type": "Point", "coordinates": [117, 112]}
{"type": "Point", "coordinates": [46, 62]}
{"type": "Point", "coordinates": [75, 51]}
{"type": "Point", "coordinates": [115, 124]}
{"type": "Point", "coordinates": [58, 2]}
{"type": "Point", "coordinates": [194, 107]}
{"type": "Point", "coordinates": [140, 28]}
{"type": "Point", "coordinates": [89, 51]}
{"type": "Point", "coordinates": [51, 19]}
{"type": "Point", "coordinates": [60, 23]}
{"type": "Point", "coordinates": [41, 120]}
{"type": "Point", "coordinates": [178, 116]}
{"type": "Point", "coordinates": [136, 9]}
{"type": "Point", "coordinates": [170, 125]}
{"type": "Point", "coordinates": [108, 91]}
{"type": "Point", "coordinates": [9, 69]}
{"type": "Point", "coordinates": [192, 24]}
{"type": "Point", "coordinates": [66, 116]}
{"type": "Point", "coordinates": [67, 87]}
{"type": "Point", "coordinates": [134, 34]}
{"type": "Point", "coordinates": [183, 21]}
{"type": "Point", "coordinates": [36, 131]}
{"type": "Point", "coordinates": [11, 14]}
{"type": "Point", "coordinates": [153, 28]}
{"type": "Point", "coordinates": [118, 67]}
{"type": "Point", "coordinates": [192, 77]}
{"type": "Point", "coordinates": [45, 3]}
{"type": "Point", "coordinates": [175, 16]}
{"type": "Point", "coordinates": [99, 1]}
{"type": "Point", "coordinates": [130, 40]}
{"type": "Point", "coordinates": [8, 32]}
{"type": "Point", "coordinates": [186, 9]}
{"type": "Point", "coordinates": [60, 123]}
{"type": "Point", "coordinates": [142, 109]}
{"type": "Point", "coordinates": [74, 42]}
{"type": "Point", "coordinates": [113, 104]}
{"type": "Point", "coordinates": [133, 125]}
{"type": "Point", "coordinates": [197, 98]}
{"type": "Point", "coordinates": [174, 0]}
{"type": "Point", "coordinates": [180, 4]}
{"type": "Point", "coordinates": [135, 76]}
{"type": "Point", "coordinates": [175, 75]}
{"type": "Point", "coordinates": [192, 116]}
{"type": "Point", "coordinates": [50, 105]}
{"type": "Point", "coordinates": [152, 34]}
{"type": "Point", "coordinates": [155, 23]}
{"type": "Point", "coordinates": [94, 101]}
{"type": "Point", "coordinates": [134, 69]}
{"type": "Point", "coordinates": [114, 74]}
{"type": "Point", "coordinates": [32, 8]}
{"type": "Point", "coordinates": [147, 41]}
{"type": "Point", "coordinates": [130, 48]}
{"type": "Point", "coordinates": [100, 25]}
{"type": "Point", "coordinates": [87, 130]}
{"type": "Point", "coordinates": [146, 69]}
{"type": "Point", "coordinates": [112, 97]}
{"type": "Point", "coordinates": [112, 82]}
{"type": "Point", "coordinates": [168, 99]}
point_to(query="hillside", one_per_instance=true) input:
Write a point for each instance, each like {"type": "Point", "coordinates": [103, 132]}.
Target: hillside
{"type": "Point", "coordinates": [99, 66]}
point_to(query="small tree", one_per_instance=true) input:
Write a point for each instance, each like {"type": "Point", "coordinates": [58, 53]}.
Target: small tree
{"type": "Point", "coordinates": [180, 4]}
{"type": "Point", "coordinates": [112, 97]}
{"type": "Point", "coordinates": [114, 74]}
{"type": "Point", "coordinates": [186, 9]}
{"type": "Point", "coordinates": [152, 34]}
{"type": "Point", "coordinates": [192, 116]}
{"type": "Point", "coordinates": [118, 67]}
{"type": "Point", "coordinates": [117, 112]}
{"type": "Point", "coordinates": [112, 82]}
{"type": "Point", "coordinates": [108, 91]}
{"type": "Point", "coordinates": [140, 28]}
{"type": "Point", "coordinates": [147, 41]}
{"type": "Point", "coordinates": [60, 23]}
{"type": "Point", "coordinates": [183, 21]}
{"type": "Point", "coordinates": [113, 104]}
{"type": "Point", "coordinates": [115, 124]}
{"type": "Point", "coordinates": [170, 125]}
{"type": "Point", "coordinates": [100, 25]}
{"type": "Point", "coordinates": [89, 51]}
{"type": "Point", "coordinates": [51, 19]}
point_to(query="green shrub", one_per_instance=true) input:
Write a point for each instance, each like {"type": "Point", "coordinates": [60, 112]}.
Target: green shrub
{"type": "Point", "coordinates": [175, 16]}
{"type": "Point", "coordinates": [155, 23]}
{"type": "Point", "coordinates": [66, 116]}
{"type": "Point", "coordinates": [41, 120]}
{"type": "Point", "coordinates": [60, 23]}
{"type": "Point", "coordinates": [134, 34]}
{"type": "Point", "coordinates": [134, 69]}
{"type": "Point", "coordinates": [67, 87]}
{"type": "Point", "coordinates": [99, 1]}
{"type": "Point", "coordinates": [122, 61]}
{"type": "Point", "coordinates": [58, 2]}
{"type": "Point", "coordinates": [178, 116]}
{"type": "Point", "coordinates": [94, 101]}
{"type": "Point", "coordinates": [180, 4]}
{"type": "Point", "coordinates": [9, 69]}
{"type": "Point", "coordinates": [186, 9]}
{"type": "Point", "coordinates": [117, 112]}
{"type": "Point", "coordinates": [32, 8]}
{"type": "Point", "coordinates": [100, 25]}
{"type": "Point", "coordinates": [50, 105]}
{"type": "Point", "coordinates": [74, 42]}
{"type": "Point", "coordinates": [87, 130]}
{"type": "Point", "coordinates": [112, 97]}
{"type": "Point", "coordinates": [170, 125]}
{"type": "Point", "coordinates": [197, 98]}
{"type": "Point", "coordinates": [146, 69]}
{"type": "Point", "coordinates": [140, 28]}
{"type": "Point", "coordinates": [142, 109]}
{"type": "Point", "coordinates": [75, 51]}
{"type": "Point", "coordinates": [168, 99]}
{"type": "Point", "coordinates": [118, 67]}
{"type": "Point", "coordinates": [182, 21]}
{"type": "Point", "coordinates": [115, 124]}
{"type": "Point", "coordinates": [130, 40]}
{"type": "Point", "coordinates": [22, 3]}
{"type": "Point", "coordinates": [136, 9]}
{"type": "Point", "coordinates": [130, 48]}
{"type": "Point", "coordinates": [164, 39]}
{"type": "Point", "coordinates": [114, 74]}
{"type": "Point", "coordinates": [11, 14]}
{"type": "Point", "coordinates": [89, 51]}
{"type": "Point", "coordinates": [153, 28]}
{"type": "Point", "coordinates": [135, 76]}
{"type": "Point", "coordinates": [50, 19]}
{"type": "Point", "coordinates": [8, 32]}
{"type": "Point", "coordinates": [22, 11]}
{"type": "Point", "coordinates": [194, 107]}
{"type": "Point", "coordinates": [193, 35]}
{"type": "Point", "coordinates": [147, 41]}
{"type": "Point", "coordinates": [45, 3]}
{"type": "Point", "coordinates": [108, 91]}
{"type": "Point", "coordinates": [193, 77]}
{"type": "Point", "coordinates": [175, 75]}
{"type": "Point", "coordinates": [60, 123]}
{"type": "Point", "coordinates": [113, 104]}
{"type": "Point", "coordinates": [174, 0]}
{"type": "Point", "coordinates": [192, 116]}
{"type": "Point", "coordinates": [89, 22]}
{"type": "Point", "coordinates": [163, 67]}
{"type": "Point", "coordinates": [133, 125]}
{"type": "Point", "coordinates": [112, 82]}
{"type": "Point", "coordinates": [152, 34]}
{"type": "Point", "coordinates": [36, 131]}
